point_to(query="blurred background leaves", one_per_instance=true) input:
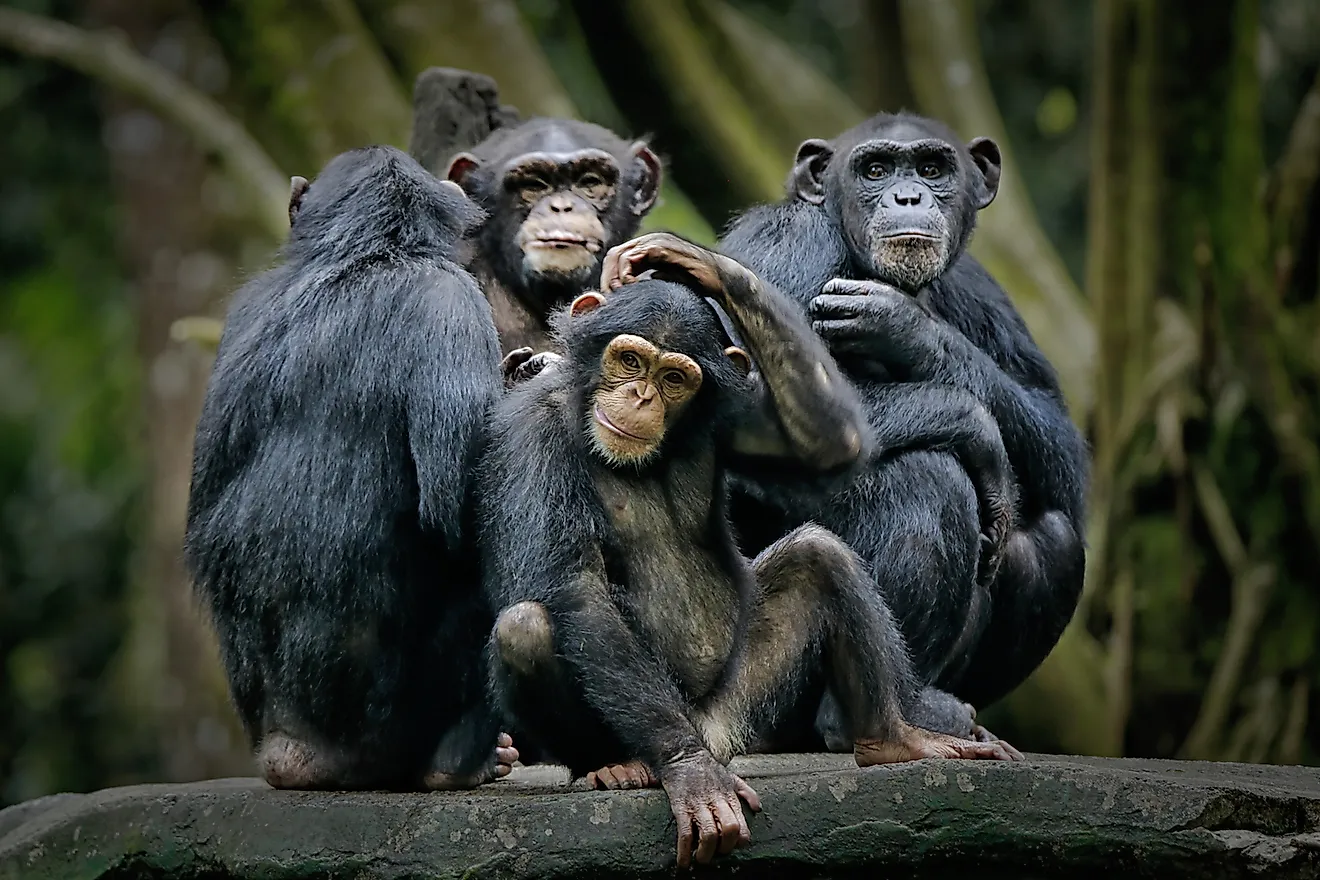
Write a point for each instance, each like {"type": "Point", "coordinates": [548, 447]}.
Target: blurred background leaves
{"type": "Point", "coordinates": [1157, 227]}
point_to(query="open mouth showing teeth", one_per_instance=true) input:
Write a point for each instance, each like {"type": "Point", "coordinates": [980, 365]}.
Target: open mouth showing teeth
{"type": "Point", "coordinates": [610, 426]}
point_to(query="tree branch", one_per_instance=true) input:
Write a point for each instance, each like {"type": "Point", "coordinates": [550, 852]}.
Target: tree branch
{"type": "Point", "coordinates": [1293, 179]}
{"type": "Point", "coordinates": [1252, 584]}
{"type": "Point", "coordinates": [700, 87]}
{"type": "Point", "coordinates": [110, 59]}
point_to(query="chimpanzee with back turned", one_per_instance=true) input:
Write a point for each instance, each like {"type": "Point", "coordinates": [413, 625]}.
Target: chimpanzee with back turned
{"type": "Point", "coordinates": [634, 639]}
{"type": "Point", "coordinates": [558, 194]}
{"type": "Point", "coordinates": [329, 515]}
{"type": "Point", "coordinates": [871, 242]}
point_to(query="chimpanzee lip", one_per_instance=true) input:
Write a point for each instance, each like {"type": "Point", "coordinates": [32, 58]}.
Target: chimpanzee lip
{"type": "Point", "coordinates": [911, 234]}
{"type": "Point", "coordinates": [559, 238]}
{"type": "Point", "coordinates": [605, 420]}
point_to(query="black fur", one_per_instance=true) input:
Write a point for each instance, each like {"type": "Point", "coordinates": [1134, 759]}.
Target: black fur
{"type": "Point", "coordinates": [913, 516]}
{"type": "Point", "coordinates": [327, 522]}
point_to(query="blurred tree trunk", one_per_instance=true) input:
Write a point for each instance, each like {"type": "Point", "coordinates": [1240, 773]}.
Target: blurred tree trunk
{"type": "Point", "coordinates": [1206, 477]}
{"type": "Point", "coordinates": [173, 242]}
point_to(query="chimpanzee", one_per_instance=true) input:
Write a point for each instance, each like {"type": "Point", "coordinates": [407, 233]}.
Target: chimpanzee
{"type": "Point", "coordinates": [633, 636]}
{"type": "Point", "coordinates": [558, 193]}
{"type": "Point", "coordinates": [329, 516]}
{"type": "Point", "coordinates": [871, 242]}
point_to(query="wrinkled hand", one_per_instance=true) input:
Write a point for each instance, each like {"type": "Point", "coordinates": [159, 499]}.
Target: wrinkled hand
{"type": "Point", "coordinates": [867, 317]}
{"type": "Point", "coordinates": [706, 795]}
{"type": "Point", "coordinates": [668, 256]}
{"type": "Point", "coordinates": [521, 364]}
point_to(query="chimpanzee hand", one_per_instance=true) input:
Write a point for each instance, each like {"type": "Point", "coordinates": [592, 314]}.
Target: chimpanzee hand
{"type": "Point", "coordinates": [669, 257]}
{"type": "Point", "coordinates": [705, 794]}
{"type": "Point", "coordinates": [873, 320]}
{"type": "Point", "coordinates": [520, 365]}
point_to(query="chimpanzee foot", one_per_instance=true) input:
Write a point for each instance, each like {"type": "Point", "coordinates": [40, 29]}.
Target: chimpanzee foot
{"type": "Point", "coordinates": [634, 774]}
{"type": "Point", "coordinates": [500, 766]}
{"type": "Point", "coordinates": [288, 762]}
{"type": "Point", "coordinates": [915, 744]}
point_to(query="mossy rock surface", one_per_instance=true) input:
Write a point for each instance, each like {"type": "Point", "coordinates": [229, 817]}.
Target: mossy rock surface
{"type": "Point", "coordinates": [1050, 817]}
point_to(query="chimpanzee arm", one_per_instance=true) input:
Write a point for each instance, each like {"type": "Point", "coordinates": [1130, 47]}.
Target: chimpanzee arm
{"type": "Point", "coordinates": [877, 321]}
{"type": "Point", "coordinates": [1041, 575]}
{"type": "Point", "coordinates": [449, 357]}
{"type": "Point", "coordinates": [630, 690]}
{"type": "Point", "coordinates": [812, 412]}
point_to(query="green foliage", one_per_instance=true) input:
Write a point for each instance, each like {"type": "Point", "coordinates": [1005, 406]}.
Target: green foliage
{"type": "Point", "coordinates": [69, 478]}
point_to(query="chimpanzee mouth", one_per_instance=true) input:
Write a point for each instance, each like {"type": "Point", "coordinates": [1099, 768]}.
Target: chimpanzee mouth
{"type": "Point", "coordinates": [563, 241]}
{"type": "Point", "coordinates": [610, 426]}
{"type": "Point", "coordinates": [912, 235]}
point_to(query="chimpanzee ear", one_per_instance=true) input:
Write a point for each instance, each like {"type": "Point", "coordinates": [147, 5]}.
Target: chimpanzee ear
{"type": "Point", "coordinates": [985, 153]}
{"type": "Point", "coordinates": [587, 302]}
{"type": "Point", "coordinates": [461, 166]}
{"type": "Point", "coordinates": [806, 180]}
{"type": "Point", "coordinates": [648, 187]}
{"type": "Point", "coordinates": [740, 359]}
{"type": "Point", "coordinates": [297, 189]}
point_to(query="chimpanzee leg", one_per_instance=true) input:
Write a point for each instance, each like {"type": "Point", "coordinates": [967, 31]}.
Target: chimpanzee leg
{"type": "Point", "coordinates": [930, 708]}
{"type": "Point", "coordinates": [536, 694]}
{"type": "Point", "coordinates": [819, 609]}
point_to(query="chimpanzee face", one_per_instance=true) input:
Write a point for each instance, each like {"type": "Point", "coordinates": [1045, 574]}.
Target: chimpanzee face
{"type": "Point", "coordinates": [558, 194]}
{"type": "Point", "coordinates": [639, 362]}
{"type": "Point", "coordinates": [905, 197]}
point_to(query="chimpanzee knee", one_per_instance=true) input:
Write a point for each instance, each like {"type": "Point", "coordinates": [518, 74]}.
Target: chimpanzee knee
{"type": "Point", "coordinates": [524, 638]}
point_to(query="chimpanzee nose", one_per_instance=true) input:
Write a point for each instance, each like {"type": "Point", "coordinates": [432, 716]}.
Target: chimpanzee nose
{"type": "Point", "coordinates": [561, 204]}
{"type": "Point", "coordinates": [645, 391]}
{"type": "Point", "coordinates": [907, 196]}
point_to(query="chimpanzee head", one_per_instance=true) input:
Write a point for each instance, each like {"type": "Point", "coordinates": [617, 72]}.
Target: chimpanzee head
{"type": "Point", "coordinates": [375, 197]}
{"type": "Point", "coordinates": [654, 369]}
{"type": "Point", "coordinates": [559, 194]}
{"type": "Point", "coordinates": [904, 191]}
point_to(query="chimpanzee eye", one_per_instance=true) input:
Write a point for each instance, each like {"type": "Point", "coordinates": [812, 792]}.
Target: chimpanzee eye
{"type": "Point", "coordinates": [876, 170]}
{"type": "Point", "coordinates": [674, 378]}
{"type": "Point", "coordinates": [630, 360]}
{"type": "Point", "coordinates": [535, 186]}
{"type": "Point", "coordinates": [590, 181]}
{"type": "Point", "coordinates": [930, 170]}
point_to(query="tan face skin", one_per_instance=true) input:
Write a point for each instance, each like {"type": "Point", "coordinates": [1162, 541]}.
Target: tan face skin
{"type": "Point", "coordinates": [563, 231]}
{"type": "Point", "coordinates": [642, 391]}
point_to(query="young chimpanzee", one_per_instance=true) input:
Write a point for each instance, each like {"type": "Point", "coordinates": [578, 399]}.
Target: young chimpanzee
{"type": "Point", "coordinates": [327, 523]}
{"type": "Point", "coordinates": [558, 194]}
{"type": "Point", "coordinates": [633, 636]}
{"type": "Point", "coordinates": [871, 242]}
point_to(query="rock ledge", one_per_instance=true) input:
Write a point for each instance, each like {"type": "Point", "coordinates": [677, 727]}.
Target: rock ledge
{"type": "Point", "coordinates": [1051, 817]}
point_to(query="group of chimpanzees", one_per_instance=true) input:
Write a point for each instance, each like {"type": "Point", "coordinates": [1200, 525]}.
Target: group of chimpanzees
{"type": "Point", "coordinates": [416, 554]}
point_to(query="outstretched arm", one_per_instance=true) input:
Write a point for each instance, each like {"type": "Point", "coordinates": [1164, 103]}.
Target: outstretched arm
{"type": "Point", "coordinates": [812, 412]}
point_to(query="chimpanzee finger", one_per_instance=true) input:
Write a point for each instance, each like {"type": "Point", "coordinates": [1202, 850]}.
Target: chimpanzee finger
{"type": "Point", "coordinates": [833, 306]}
{"type": "Point", "coordinates": [506, 755]}
{"type": "Point", "coordinates": [708, 834]}
{"type": "Point", "coordinates": [744, 833]}
{"type": "Point", "coordinates": [514, 359]}
{"type": "Point", "coordinates": [747, 793]}
{"type": "Point", "coordinates": [684, 837]}
{"type": "Point", "coordinates": [844, 337]}
{"type": "Point", "coordinates": [727, 816]}
{"type": "Point", "coordinates": [853, 287]}
{"type": "Point", "coordinates": [609, 269]}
